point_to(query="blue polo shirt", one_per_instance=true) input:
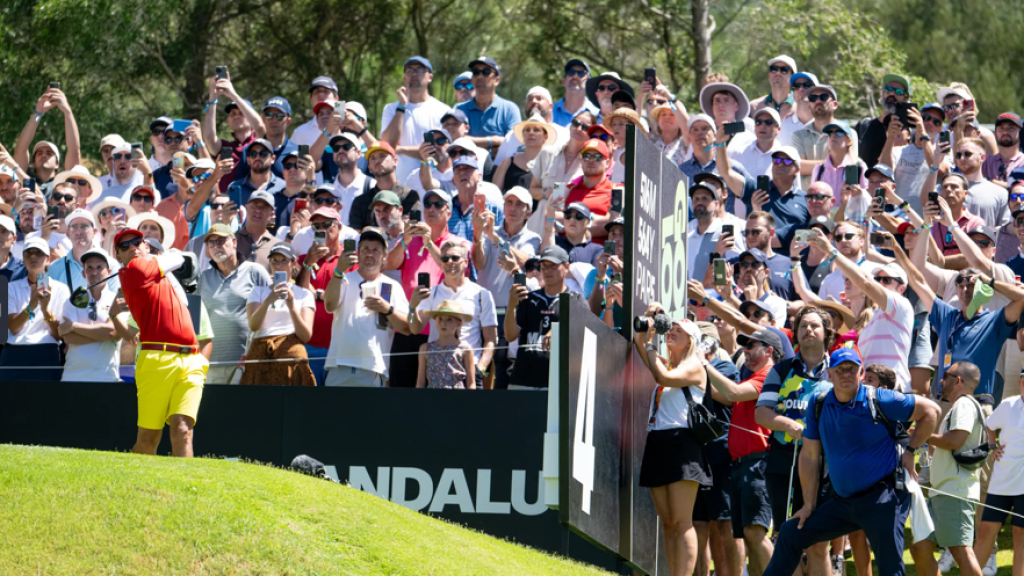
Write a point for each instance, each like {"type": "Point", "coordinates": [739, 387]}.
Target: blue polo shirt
{"type": "Point", "coordinates": [692, 167]}
{"type": "Point", "coordinates": [978, 340]}
{"type": "Point", "coordinates": [14, 269]}
{"type": "Point", "coordinates": [497, 120]}
{"type": "Point", "coordinates": [462, 224]}
{"type": "Point", "coordinates": [790, 213]}
{"type": "Point", "coordinates": [563, 117]}
{"type": "Point", "coordinates": [859, 451]}
{"type": "Point", "coordinates": [1017, 265]}
{"type": "Point", "coordinates": [240, 190]}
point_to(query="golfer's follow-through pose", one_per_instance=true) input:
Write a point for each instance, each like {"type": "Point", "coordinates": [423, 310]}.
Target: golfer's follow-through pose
{"type": "Point", "coordinates": [170, 371]}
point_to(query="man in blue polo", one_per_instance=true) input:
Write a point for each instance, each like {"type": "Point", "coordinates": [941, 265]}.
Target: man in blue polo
{"type": "Point", "coordinates": [853, 434]}
{"type": "Point", "coordinates": [574, 81]}
{"type": "Point", "coordinates": [490, 116]}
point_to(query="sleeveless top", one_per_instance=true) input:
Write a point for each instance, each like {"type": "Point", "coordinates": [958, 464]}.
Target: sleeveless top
{"type": "Point", "coordinates": [444, 365]}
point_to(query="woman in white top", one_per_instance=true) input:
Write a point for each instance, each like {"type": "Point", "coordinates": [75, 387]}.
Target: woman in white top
{"type": "Point", "coordinates": [1005, 490]}
{"type": "Point", "coordinates": [669, 136]}
{"type": "Point", "coordinates": [281, 317]}
{"type": "Point", "coordinates": [673, 465]}
{"type": "Point", "coordinates": [34, 310]}
{"type": "Point", "coordinates": [558, 166]}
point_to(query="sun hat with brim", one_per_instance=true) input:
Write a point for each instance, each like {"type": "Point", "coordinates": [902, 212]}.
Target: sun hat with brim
{"type": "Point", "coordinates": [449, 308]}
{"type": "Point", "coordinates": [659, 110]}
{"type": "Point", "coordinates": [549, 131]}
{"type": "Point", "coordinates": [127, 197]}
{"type": "Point", "coordinates": [947, 91]}
{"type": "Point", "coordinates": [903, 80]}
{"type": "Point", "coordinates": [201, 164]}
{"type": "Point", "coordinates": [844, 313]}
{"type": "Point", "coordinates": [707, 95]}
{"type": "Point", "coordinates": [82, 172]}
{"type": "Point", "coordinates": [595, 81]}
{"type": "Point", "coordinates": [166, 226]}
{"type": "Point", "coordinates": [626, 113]}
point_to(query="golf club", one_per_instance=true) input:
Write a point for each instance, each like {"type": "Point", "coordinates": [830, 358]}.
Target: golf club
{"type": "Point", "coordinates": [80, 297]}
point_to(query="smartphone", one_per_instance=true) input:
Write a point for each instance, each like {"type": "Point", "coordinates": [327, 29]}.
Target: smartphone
{"type": "Point", "coordinates": [303, 150]}
{"type": "Point", "coordinates": [763, 182]}
{"type": "Point", "coordinates": [222, 72]}
{"type": "Point", "coordinates": [735, 127]}
{"type": "Point", "coordinates": [53, 212]}
{"type": "Point", "coordinates": [880, 198]}
{"type": "Point", "coordinates": [225, 153]}
{"type": "Point", "coordinates": [385, 294]}
{"type": "Point", "coordinates": [55, 85]}
{"type": "Point", "coordinates": [300, 204]}
{"type": "Point", "coordinates": [609, 247]}
{"type": "Point", "coordinates": [967, 105]}
{"type": "Point", "coordinates": [944, 137]}
{"type": "Point", "coordinates": [519, 278]}
{"type": "Point", "coordinates": [719, 265]}
{"type": "Point", "coordinates": [281, 278]}
{"type": "Point", "coordinates": [650, 75]}
{"type": "Point", "coordinates": [178, 161]}
{"type": "Point", "coordinates": [320, 236]}
{"type": "Point", "coordinates": [479, 203]}
{"type": "Point", "coordinates": [728, 230]}
{"type": "Point", "coordinates": [415, 216]}
{"type": "Point", "coordinates": [423, 280]}
{"type": "Point", "coordinates": [880, 240]}
{"type": "Point", "coordinates": [428, 137]}
{"type": "Point", "coordinates": [339, 107]}
{"type": "Point", "coordinates": [181, 126]}
{"type": "Point", "coordinates": [43, 280]}
{"type": "Point", "coordinates": [933, 198]}
{"type": "Point", "coordinates": [349, 245]}
{"type": "Point", "coordinates": [136, 149]}
{"type": "Point", "coordinates": [617, 200]}
{"type": "Point", "coordinates": [801, 236]}
{"type": "Point", "coordinates": [558, 191]}
{"type": "Point", "coordinates": [901, 112]}
{"type": "Point", "coordinates": [852, 175]}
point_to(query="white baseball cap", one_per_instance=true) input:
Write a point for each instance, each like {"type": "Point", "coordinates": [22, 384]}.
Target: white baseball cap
{"type": "Point", "coordinates": [783, 59]}
{"type": "Point", "coordinates": [80, 213]}
{"type": "Point", "coordinates": [8, 223]}
{"type": "Point", "coordinates": [540, 90]}
{"type": "Point", "coordinates": [519, 193]}
{"type": "Point", "coordinates": [38, 243]}
{"type": "Point", "coordinates": [356, 109]}
{"type": "Point", "coordinates": [114, 140]}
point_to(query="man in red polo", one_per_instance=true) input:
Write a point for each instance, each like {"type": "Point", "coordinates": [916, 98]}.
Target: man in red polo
{"type": "Point", "coordinates": [594, 189]}
{"type": "Point", "coordinates": [169, 371]}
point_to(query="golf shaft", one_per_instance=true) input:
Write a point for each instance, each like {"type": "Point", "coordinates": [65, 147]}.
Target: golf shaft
{"type": "Point", "coordinates": [102, 281]}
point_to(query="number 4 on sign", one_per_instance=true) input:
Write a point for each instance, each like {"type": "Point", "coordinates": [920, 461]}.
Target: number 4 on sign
{"type": "Point", "coordinates": [583, 451]}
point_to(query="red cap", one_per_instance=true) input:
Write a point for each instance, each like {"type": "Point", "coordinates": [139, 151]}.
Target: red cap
{"type": "Point", "coordinates": [125, 232]}
{"type": "Point", "coordinates": [599, 129]}
{"type": "Point", "coordinates": [595, 144]}
{"type": "Point", "coordinates": [319, 105]}
{"type": "Point", "coordinates": [904, 227]}
{"type": "Point", "coordinates": [326, 212]}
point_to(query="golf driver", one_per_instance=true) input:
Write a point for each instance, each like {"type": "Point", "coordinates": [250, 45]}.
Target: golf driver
{"type": "Point", "coordinates": [80, 297]}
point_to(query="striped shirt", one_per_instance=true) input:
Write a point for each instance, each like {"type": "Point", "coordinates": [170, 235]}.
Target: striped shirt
{"type": "Point", "coordinates": [225, 299]}
{"type": "Point", "coordinates": [887, 338]}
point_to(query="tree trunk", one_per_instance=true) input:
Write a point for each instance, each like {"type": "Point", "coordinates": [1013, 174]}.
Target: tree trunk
{"type": "Point", "coordinates": [699, 23]}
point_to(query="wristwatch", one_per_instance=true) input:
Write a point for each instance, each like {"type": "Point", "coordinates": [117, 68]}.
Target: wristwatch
{"type": "Point", "coordinates": [391, 310]}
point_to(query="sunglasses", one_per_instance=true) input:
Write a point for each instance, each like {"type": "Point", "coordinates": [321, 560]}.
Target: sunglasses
{"type": "Point", "coordinates": [273, 116]}
{"type": "Point", "coordinates": [79, 181]}
{"type": "Point", "coordinates": [817, 197]}
{"type": "Point", "coordinates": [580, 125]}
{"type": "Point", "coordinates": [751, 344]}
{"type": "Point", "coordinates": [482, 71]}
{"type": "Point", "coordinates": [121, 156]}
{"type": "Point", "coordinates": [142, 198]}
{"type": "Point", "coordinates": [602, 137]}
{"type": "Point", "coordinates": [173, 139]}
{"type": "Point", "coordinates": [982, 243]}
{"type": "Point", "coordinates": [201, 178]}
{"type": "Point", "coordinates": [440, 140]}
{"type": "Point", "coordinates": [961, 155]}
{"type": "Point", "coordinates": [325, 225]}
{"type": "Point", "coordinates": [92, 311]}
{"type": "Point", "coordinates": [786, 161]}
{"type": "Point", "coordinates": [464, 86]}
{"type": "Point", "coordinates": [573, 215]}
{"type": "Point", "coordinates": [756, 314]}
{"type": "Point", "coordinates": [848, 236]}
{"type": "Point", "coordinates": [290, 165]}
{"type": "Point", "coordinates": [346, 146]}
{"type": "Point", "coordinates": [656, 102]}
{"type": "Point", "coordinates": [1019, 223]}
{"type": "Point", "coordinates": [754, 232]}
{"type": "Point", "coordinates": [260, 154]}
{"type": "Point", "coordinates": [745, 265]}
{"type": "Point", "coordinates": [951, 107]}
{"type": "Point", "coordinates": [897, 91]}
{"type": "Point", "coordinates": [325, 201]}
{"type": "Point", "coordinates": [592, 157]}
{"type": "Point", "coordinates": [823, 97]}
{"type": "Point", "coordinates": [965, 280]}
{"type": "Point", "coordinates": [932, 119]}
{"type": "Point", "coordinates": [62, 198]}
{"type": "Point", "coordinates": [607, 88]}
{"type": "Point", "coordinates": [459, 153]}
{"type": "Point", "coordinates": [835, 134]}
{"type": "Point", "coordinates": [450, 258]}
{"type": "Point", "coordinates": [112, 212]}
{"type": "Point", "coordinates": [804, 85]}
{"type": "Point", "coordinates": [886, 280]}
{"type": "Point", "coordinates": [133, 243]}
{"type": "Point", "coordinates": [218, 241]}
{"type": "Point", "coordinates": [157, 131]}
{"type": "Point", "coordinates": [218, 205]}
{"type": "Point", "coordinates": [780, 69]}
{"type": "Point", "coordinates": [577, 73]}
{"type": "Point", "coordinates": [765, 122]}
{"type": "Point", "coordinates": [435, 204]}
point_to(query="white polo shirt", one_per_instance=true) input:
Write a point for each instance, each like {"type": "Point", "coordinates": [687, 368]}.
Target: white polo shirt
{"type": "Point", "coordinates": [355, 339]}
{"type": "Point", "coordinates": [96, 361]}
{"type": "Point", "coordinates": [474, 300]}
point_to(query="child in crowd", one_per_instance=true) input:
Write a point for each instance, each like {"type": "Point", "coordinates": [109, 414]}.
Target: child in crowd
{"type": "Point", "coordinates": [447, 362]}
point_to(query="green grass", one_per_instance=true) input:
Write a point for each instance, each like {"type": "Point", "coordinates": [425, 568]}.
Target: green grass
{"type": "Point", "coordinates": [73, 512]}
{"type": "Point", "coordinates": [1004, 557]}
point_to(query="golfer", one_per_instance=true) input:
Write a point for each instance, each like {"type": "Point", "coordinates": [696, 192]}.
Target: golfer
{"type": "Point", "coordinates": [169, 371]}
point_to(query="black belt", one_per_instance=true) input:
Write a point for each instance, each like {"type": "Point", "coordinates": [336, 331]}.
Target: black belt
{"type": "Point", "coordinates": [751, 457]}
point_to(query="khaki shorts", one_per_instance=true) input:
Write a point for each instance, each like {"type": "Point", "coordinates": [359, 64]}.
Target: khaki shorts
{"type": "Point", "coordinates": [168, 383]}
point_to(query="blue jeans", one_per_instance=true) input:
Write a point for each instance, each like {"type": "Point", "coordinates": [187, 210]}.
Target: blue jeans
{"type": "Point", "coordinates": [317, 360]}
{"type": "Point", "coordinates": [880, 512]}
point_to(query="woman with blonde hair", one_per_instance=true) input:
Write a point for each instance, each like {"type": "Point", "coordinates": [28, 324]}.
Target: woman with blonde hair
{"type": "Point", "coordinates": [535, 134]}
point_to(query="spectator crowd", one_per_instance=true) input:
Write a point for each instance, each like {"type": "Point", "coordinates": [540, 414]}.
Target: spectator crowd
{"type": "Point", "coordinates": [875, 265]}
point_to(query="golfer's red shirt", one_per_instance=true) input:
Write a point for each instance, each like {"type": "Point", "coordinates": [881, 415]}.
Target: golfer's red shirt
{"type": "Point", "coordinates": [156, 307]}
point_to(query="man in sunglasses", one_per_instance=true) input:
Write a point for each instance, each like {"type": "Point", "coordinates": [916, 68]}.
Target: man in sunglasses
{"type": "Point", "coordinates": [574, 81]}
{"type": "Point", "coordinates": [124, 173]}
{"type": "Point", "coordinates": [54, 229]}
{"type": "Point", "coordinates": [985, 199]}
{"type": "Point", "coordinates": [382, 161]}
{"type": "Point", "coordinates": [490, 116]}
{"type": "Point", "coordinates": [998, 167]}
{"type": "Point", "coordinates": [783, 200]}
{"type": "Point", "coordinates": [751, 271]}
{"type": "Point", "coordinates": [259, 155]}
{"type": "Point", "coordinates": [456, 124]}
{"type": "Point", "coordinates": [911, 166]}
{"type": "Point", "coordinates": [245, 124]}
{"type": "Point", "coordinates": [872, 131]}
{"type": "Point", "coordinates": [780, 70]}
{"type": "Point", "coordinates": [170, 372]}
{"type": "Point", "coordinates": [801, 84]}
{"type": "Point", "coordinates": [436, 160]}
{"type": "Point", "coordinates": [464, 89]}
{"type": "Point", "coordinates": [161, 155]}
{"type": "Point", "coordinates": [849, 243]}
{"type": "Point", "coordinates": [758, 232]}
{"type": "Point", "coordinates": [277, 116]}
{"type": "Point", "coordinates": [756, 158]}
{"type": "Point", "coordinates": [811, 142]}
{"type": "Point", "coordinates": [705, 239]}
{"type": "Point", "coordinates": [600, 90]}
{"type": "Point", "coordinates": [415, 112]}
{"type": "Point", "coordinates": [595, 188]}
{"type": "Point", "coordinates": [350, 182]}
{"type": "Point", "coordinates": [142, 199]}
{"type": "Point", "coordinates": [92, 343]}
{"type": "Point", "coordinates": [174, 142]}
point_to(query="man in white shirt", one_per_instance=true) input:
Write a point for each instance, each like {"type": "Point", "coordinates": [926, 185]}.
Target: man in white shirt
{"type": "Point", "coordinates": [359, 339]}
{"type": "Point", "coordinates": [123, 174]}
{"type": "Point", "coordinates": [416, 111]}
{"type": "Point", "coordinates": [93, 347]}
{"type": "Point", "coordinates": [704, 239]}
{"type": "Point", "coordinates": [350, 182]}
{"type": "Point", "coordinates": [162, 155]}
{"type": "Point", "coordinates": [756, 158]}
{"type": "Point", "coordinates": [850, 244]}
{"type": "Point", "coordinates": [321, 89]}
{"type": "Point", "coordinates": [81, 232]}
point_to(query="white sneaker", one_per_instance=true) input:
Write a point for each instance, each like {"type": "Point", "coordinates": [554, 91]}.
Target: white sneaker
{"type": "Point", "coordinates": [945, 561]}
{"type": "Point", "coordinates": [990, 568]}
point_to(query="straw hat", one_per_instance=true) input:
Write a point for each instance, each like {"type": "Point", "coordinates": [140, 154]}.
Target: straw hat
{"type": "Point", "coordinates": [165, 225]}
{"type": "Point", "coordinates": [449, 308]}
{"type": "Point", "coordinates": [844, 313]}
{"type": "Point", "coordinates": [549, 130]}
{"type": "Point", "coordinates": [626, 113]}
{"type": "Point", "coordinates": [82, 172]}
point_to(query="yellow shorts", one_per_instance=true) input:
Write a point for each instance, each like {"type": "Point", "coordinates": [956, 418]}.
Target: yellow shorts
{"type": "Point", "coordinates": [168, 384]}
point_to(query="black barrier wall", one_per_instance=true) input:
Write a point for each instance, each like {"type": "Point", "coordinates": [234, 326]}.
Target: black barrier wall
{"type": "Point", "coordinates": [472, 457]}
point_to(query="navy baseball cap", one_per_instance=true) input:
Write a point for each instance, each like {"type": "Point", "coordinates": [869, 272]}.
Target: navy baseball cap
{"type": "Point", "coordinates": [934, 106]}
{"type": "Point", "coordinates": [280, 103]}
{"type": "Point", "coordinates": [882, 169]}
{"type": "Point", "coordinates": [161, 121]}
{"type": "Point", "coordinates": [844, 355]}
{"type": "Point", "coordinates": [756, 254]}
{"type": "Point", "coordinates": [764, 336]}
{"type": "Point", "coordinates": [420, 60]}
{"type": "Point", "coordinates": [579, 207]}
{"type": "Point", "coordinates": [235, 105]}
{"type": "Point", "coordinates": [577, 62]}
{"type": "Point", "coordinates": [323, 82]}
{"type": "Point", "coordinates": [486, 61]}
{"type": "Point", "coordinates": [467, 160]}
{"type": "Point", "coordinates": [457, 114]}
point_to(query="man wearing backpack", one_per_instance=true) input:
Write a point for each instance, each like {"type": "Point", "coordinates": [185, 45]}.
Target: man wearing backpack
{"type": "Point", "coordinates": [962, 429]}
{"type": "Point", "coordinates": [852, 427]}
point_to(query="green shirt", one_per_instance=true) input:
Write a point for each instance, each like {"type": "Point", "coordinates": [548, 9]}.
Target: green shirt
{"type": "Point", "coordinates": [946, 474]}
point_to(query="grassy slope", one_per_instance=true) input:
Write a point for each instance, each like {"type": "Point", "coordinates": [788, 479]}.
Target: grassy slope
{"type": "Point", "coordinates": [75, 512]}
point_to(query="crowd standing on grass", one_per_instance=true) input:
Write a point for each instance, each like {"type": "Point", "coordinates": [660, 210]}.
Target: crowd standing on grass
{"type": "Point", "coordinates": [855, 296]}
